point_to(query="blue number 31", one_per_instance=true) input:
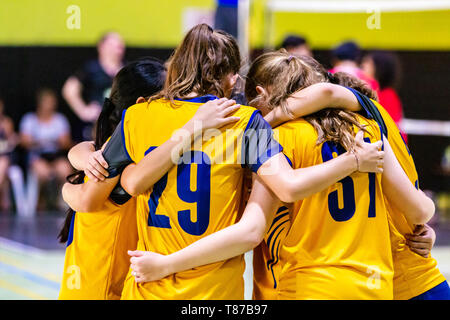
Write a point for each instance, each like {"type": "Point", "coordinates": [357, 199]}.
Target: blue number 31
{"type": "Point", "coordinates": [348, 210]}
{"type": "Point", "coordinates": [201, 196]}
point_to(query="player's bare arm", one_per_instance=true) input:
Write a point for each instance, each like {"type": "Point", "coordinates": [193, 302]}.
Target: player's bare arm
{"type": "Point", "coordinates": [224, 244]}
{"type": "Point", "coordinates": [292, 185]}
{"type": "Point", "coordinates": [89, 196]}
{"type": "Point", "coordinates": [139, 178]}
{"type": "Point", "coordinates": [84, 157]}
{"type": "Point", "coordinates": [312, 99]}
{"type": "Point", "coordinates": [413, 203]}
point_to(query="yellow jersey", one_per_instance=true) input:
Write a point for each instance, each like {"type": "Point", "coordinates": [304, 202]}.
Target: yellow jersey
{"type": "Point", "coordinates": [266, 262]}
{"type": "Point", "coordinates": [413, 274]}
{"type": "Point", "coordinates": [197, 197]}
{"type": "Point", "coordinates": [338, 245]}
{"type": "Point", "coordinates": [96, 260]}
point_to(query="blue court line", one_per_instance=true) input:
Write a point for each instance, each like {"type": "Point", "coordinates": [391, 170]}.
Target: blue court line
{"type": "Point", "coordinates": [30, 276]}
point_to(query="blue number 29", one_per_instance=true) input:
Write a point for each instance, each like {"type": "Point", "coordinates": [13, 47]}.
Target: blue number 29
{"type": "Point", "coordinates": [348, 210]}
{"type": "Point", "coordinates": [201, 196]}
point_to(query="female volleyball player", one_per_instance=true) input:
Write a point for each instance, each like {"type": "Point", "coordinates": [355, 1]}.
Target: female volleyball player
{"type": "Point", "coordinates": [368, 193]}
{"type": "Point", "coordinates": [96, 259]}
{"type": "Point", "coordinates": [415, 271]}
{"type": "Point", "coordinates": [202, 193]}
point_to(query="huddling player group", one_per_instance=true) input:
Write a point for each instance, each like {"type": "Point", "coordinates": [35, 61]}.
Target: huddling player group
{"type": "Point", "coordinates": [313, 175]}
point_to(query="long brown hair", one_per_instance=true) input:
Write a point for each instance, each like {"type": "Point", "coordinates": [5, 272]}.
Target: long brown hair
{"type": "Point", "coordinates": [282, 74]}
{"type": "Point", "coordinates": [200, 64]}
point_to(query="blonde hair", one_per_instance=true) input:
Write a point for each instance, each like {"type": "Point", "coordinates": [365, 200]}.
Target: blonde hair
{"type": "Point", "coordinates": [282, 74]}
{"type": "Point", "coordinates": [200, 64]}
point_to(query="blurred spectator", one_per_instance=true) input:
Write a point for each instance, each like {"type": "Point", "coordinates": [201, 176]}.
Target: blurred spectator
{"type": "Point", "coordinates": [226, 17]}
{"type": "Point", "coordinates": [296, 45]}
{"type": "Point", "coordinates": [346, 58]}
{"type": "Point", "coordinates": [8, 141]}
{"type": "Point", "coordinates": [88, 87]}
{"type": "Point", "coordinates": [45, 134]}
{"type": "Point", "coordinates": [384, 67]}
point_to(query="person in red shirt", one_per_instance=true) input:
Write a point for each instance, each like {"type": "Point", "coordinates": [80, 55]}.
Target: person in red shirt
{"type": "Point", "coordinates": [384, 67]}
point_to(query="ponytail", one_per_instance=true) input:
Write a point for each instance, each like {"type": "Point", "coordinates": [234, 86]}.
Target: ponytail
{"type": "Point", "coordinates": [107, 121]}
{"type": "Point", "coordinates": [63, 236]}
{"type": "Point", "coordinates": [200, 64]}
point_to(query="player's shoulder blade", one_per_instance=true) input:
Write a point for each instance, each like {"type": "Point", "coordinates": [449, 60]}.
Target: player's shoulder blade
{"type": "Point", "coordinates": [297, 127]}
{"type": "Point", "coordinates": [245, 112]}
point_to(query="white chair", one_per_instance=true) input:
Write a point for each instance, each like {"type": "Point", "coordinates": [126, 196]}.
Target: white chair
{"type": "Point", "coordinates": [25, 197]}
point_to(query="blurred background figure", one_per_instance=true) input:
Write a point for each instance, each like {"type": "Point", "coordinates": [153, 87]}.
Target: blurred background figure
{"type": "Point", "coordinates": [445, 162]}
{"type": "Point", "coordinates": [226, 19]}
{"type": "Point", "coordinates": [45, 134]}
{"type": "Point", "coordinates": [384, 67]}
{"type": "Point", "coordinates": [85, 91]}
{"type": "Point", "coordinates": [296, 45]}
{"type": "Point", "coordinates": [346, 57]}
{"type": "Point", "coordinates": [8, 141]}
{"type": "Point", "coordinates": [226, 16]}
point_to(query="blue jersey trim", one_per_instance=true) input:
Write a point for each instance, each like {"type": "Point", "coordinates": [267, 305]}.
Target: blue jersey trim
{"type": "Point", "coordinates": [245, 130]}
{"type": "Point", "coordinates": [382, 137]}
{"type": "Point", "coordinates": [273, 232]}
{"type": "Point", "coordinates": [288, 160]}
{"type": "Point", "coordinates": [440, 292]}
{"type": "Point", "coordinates": [202, 99]}
{"type": "Point", "coordinates": [278, 216]}
{"type": "Point", "coordinates": [123, 135]}
{"type": "Point", "coordinates": [72, 226]}
{"type": "Point", "coordinates": [270, 147]}
{"type": "Point", "coordinates": [370, 110]}
{"type": "Point", "coordinates": [274, 253]}
{"type": "Point", "coordinates": [362, 103]}
{"type": "Point", "coordinates": [228, 3]}
{"type": "Point", "coordinates": [251, 119]}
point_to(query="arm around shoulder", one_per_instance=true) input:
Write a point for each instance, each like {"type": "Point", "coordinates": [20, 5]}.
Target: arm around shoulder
{"type": "Point", "coordinates": [415, 205]}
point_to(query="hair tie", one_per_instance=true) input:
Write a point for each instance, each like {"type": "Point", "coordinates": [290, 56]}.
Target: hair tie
{"type": "Point", "coordinates": [290, 58]}
{"type": "Point", "coordinates": [108, 104]}
{"type": "Point", "coordinates": [331, 78]}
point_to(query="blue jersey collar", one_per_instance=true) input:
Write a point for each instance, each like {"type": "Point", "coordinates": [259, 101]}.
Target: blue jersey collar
{"type": "Point", "coordinates": [202, 99]}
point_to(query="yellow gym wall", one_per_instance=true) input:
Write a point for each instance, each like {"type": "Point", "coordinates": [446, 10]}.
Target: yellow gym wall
{"type": "Point", "coordinates": [142, 23]}
{"type": "Point", "coordinates": [161, 23]}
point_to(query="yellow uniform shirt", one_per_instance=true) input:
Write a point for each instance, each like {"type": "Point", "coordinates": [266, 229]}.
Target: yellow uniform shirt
{"type": "Point", "coordinates": [338, 245]}
{"type": "Point", "coordinates": [266, 262]}
{"type": "Point", "coordinates": [197, 197]}
{"type": "Point", "coordinates": [96, 260]}
{"type": "Point", "coordinates": [413, 274]}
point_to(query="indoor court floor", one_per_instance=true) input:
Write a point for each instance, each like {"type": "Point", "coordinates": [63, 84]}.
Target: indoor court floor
{"type": "Point", "coordinates": [31, 260]}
